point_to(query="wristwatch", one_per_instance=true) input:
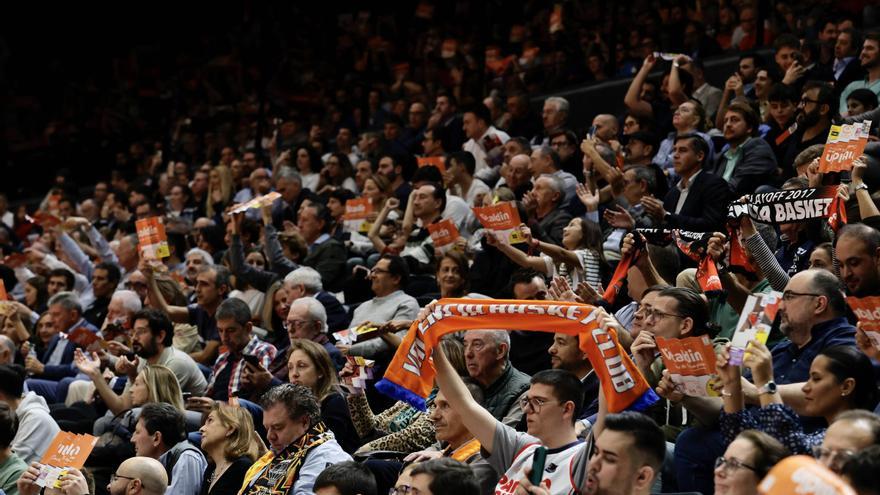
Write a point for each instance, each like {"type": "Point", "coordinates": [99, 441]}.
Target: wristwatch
{"type": "Point", "coordinates": [860, 187]}
{"type": "Point", "coordinates": [768, 388]}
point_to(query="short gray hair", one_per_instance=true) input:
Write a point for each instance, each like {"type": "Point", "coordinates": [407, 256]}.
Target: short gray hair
{"type": "Point", "coordinates": [10, 346]}
{"type": "Point", "coordinates": [67, 300]}
{"type": "Point", "coordinates": [130, 300]}
{"type": "Point", "coordinates": [206, 256]}
{"type": "Point", "coordinates": [288, 173]}
{"type": "Point", "coordinates": [557, 184]}
{"type": "Point", "coordinates": [314, 309]}
{"type": "Point", "coordinates": [560, 103]}
{"type": "Point", "coordinates": [308, 277]}
{"type": "Point", "coordinates": [644, 174]}
{"type": "Point", "coordinates": [498, 337]}
{"type": "Point", "coordinates": [235, 309]}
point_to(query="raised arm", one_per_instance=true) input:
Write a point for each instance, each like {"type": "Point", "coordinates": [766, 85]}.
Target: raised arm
{"type": "Point", "coordinates": [177, 314]}
{"type": "Point", "coordinates": [515, 255]}
{"type": "Point", "coordinates": [476, 419]}
{"type": "Point", "coordinates": [91, 367]}
{"type": "Point", "coordinates": [867, 208]}
{"type": "Point", "coordinates": [676, 92]}
{"type": "Point", "coordinates": [276, 260]}
{"type": "Point", "coordinates": [373, 234]}
{"type": "Point", "coordinates": [633, 99]}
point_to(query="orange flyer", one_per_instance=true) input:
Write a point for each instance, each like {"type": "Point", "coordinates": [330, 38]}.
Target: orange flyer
{"type": "Point", "coordinates": [432, 161]}
{"type": "Point", "coordinates": [152, 241]}
{"type": "Point", "coordinates": [805, 476]}
{"type": "Point", "coordinates": [66, 451]}
{"type": "Point", "coordinates": [867, 309]}
{"type": "Point", "coordinates": [444, 234]}
{"type": "Point", "coordinates": [357, 211]}
{"type": "Point", "coordinates": [556, 19]}
{"type": "Point", "coordinates": [46, 220]}
{"type": "Point", "coordinates": [845, 143]}
{"type": "Point", "coordinates": [503, 219]}
{"type": "Point", "coordinates": [691, 364]}
{"type": "Point", "coordinates": [4, 296]}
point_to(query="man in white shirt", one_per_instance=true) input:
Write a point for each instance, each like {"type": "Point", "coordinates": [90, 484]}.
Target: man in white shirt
{"type": "Point", "coordinates": [485, 142]}
{"type": "Point", "coordinates": [459, 178]}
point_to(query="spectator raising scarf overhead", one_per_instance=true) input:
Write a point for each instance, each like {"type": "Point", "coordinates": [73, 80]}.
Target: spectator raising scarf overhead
{"type": "Point", "coordinates": [410, 376]}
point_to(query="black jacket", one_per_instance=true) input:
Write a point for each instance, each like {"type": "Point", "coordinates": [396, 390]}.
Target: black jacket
{"type": "Point", "coordinates": [704, 210]}
{"type": "Point", "coordinates": [756, 166]}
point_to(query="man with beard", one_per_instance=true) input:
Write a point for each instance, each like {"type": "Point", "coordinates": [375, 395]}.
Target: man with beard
{"type": "Point", "coordinates": [392, 168]}
{"type": "Point", "coordinates": [151, 342]}
{"type": "Point", "coordinates": [858, 251]}
{"type": "Point", "coordinates": [870, 60]}
{"type": "Point", "coordinates": [746, 161]}
{"type": "Point", "coordinates": [816, 110]}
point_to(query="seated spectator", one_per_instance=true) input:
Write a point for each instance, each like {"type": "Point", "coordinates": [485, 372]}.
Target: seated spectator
{"type": "Point", "coordinates": [337, 174]}
{"type": "Point", "coordinates": [783, 111]}
{"type": "Point", "coordinates": [35, 294]}
{"type": "Point", "coordinates": [546, 161]}
{"type": "Point", "coordinates": [212, 287]}
{"type": "Point", "coordinates": [546, 205]}
{"type": "Point", "coordinates": [861, 101]}
{"type": "Point", "coordinates": [841, 379]}
{"type": "Point", "coordinates": [136, 476]}
{"type": "Point", "coordinates": [860, 471]}
{"type": "Point", "coordinates": [746, 161]}
{"type": "Point", "coordinates": [401, 427]}
{"type": "Point", "coordinates": [484, 142]}
{"type": "Point", "coordinates": [387, 278]}
{"type": "Point", "coordinates": [850, 434]}
{"type": "Point", "coordinates": [11, 465]}
{"type": "Point", "coordinates": [231, 445]}
{"type": "Point", "coordinates": [236, 334]}
{"type": "Point", "coordinates": [698, 202]}
{"type": "Point", "coordinates": [161, 434]}
{"type": "Point", "coordinates": [295, 432]}
{"type": "Point", "coordinates": [346, 478]}
{"type": "Point", "coordinates": [565, 354]}
{"type": "Point", "coordinates": [36, 428]}
{"type": "Point", "coordinates": [460, 180]}
{"type": "Point", "coordinates": [326, 255]}
{"type": "Point", "coordinates": [309, 365]}
{"type": "Point", "coordinates": [306, 282]}
{"type": "Point", "coordinates": [746, 461]}
{"type": "Point", "coordinates": [444, 476]}
{"type": "Point", "coordinates": [453, 276]}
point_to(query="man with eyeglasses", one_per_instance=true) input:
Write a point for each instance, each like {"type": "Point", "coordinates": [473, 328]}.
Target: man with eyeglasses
{"type": "Point", "coordinates": [552, 403]}
{"type": "Point", "coordinates": [139, 475]}
{"type": "Point", "coordinates": [387, 279]}
{"type": "Point", "coordinates": [850, 433]}
{"type": "Point", "coordinates": [816, 110]}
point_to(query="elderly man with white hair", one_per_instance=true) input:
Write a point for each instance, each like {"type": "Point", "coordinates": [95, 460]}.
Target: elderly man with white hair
{"type": "Point", "coordinates": [554, 117]}
{"type": "Point", "coordinates": [306, 282]}
{"type": "Point", "coordinates": [306, 320]}
{"type": "Point", "coordinates": [487, 356]}
{"type": "Point", "coordinates": [194, 260]}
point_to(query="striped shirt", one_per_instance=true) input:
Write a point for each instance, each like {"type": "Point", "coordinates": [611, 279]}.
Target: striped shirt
{"type": "Point", "coordinates": [263, 351]}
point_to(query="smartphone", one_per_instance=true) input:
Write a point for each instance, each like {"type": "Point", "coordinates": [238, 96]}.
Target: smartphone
{"type": "Point", "coordinates": [186, 396]}
{"type": "Point", "coordinates": [591, 132]}
{"type": "Point", "coordinates": [252, 360]}
{"type": "Point", "coordinates": [538, 460]}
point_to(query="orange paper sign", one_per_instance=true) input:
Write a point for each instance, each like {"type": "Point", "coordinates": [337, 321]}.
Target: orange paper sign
{"type": "Point", "coordinates": [691, 363]}
{"type": "Point", "coordinates": [357, 211]}
{"type": "Point", "coordinates": [69, 450]}
{"type": "Point", "coordinates": [433, 161]}
{"type": "Point", "coordinates": [444, 234]}
{"type": "Point", "coordinates": [503, 219]}
{"type": "Point", "coordinates": [867, 309]}
{"type": "Point", "coordinates": [802, 475]}
{"type": "Point", "coordinates": [845, 143]}
{"type": "Point", "coordinates": [152, 241]}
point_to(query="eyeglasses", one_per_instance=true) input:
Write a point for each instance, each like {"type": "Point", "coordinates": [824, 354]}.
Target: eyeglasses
{"type": "Point", "coordinates": [790, 294]}
{"type": "Point", "coordinates": [659, 315]}
{"type": "Point", "coordinates": [114, 477]}
{"type": "Point", "coordinates": [375, 271]}
{"type": "Point", "coordinates": [805, 101]}
{"type": "Point", "coordinates": [534, 403]}
{"type": "Point", "coordinates": [399, 490]}
{"type": "Point", "coordinates": [288, 324]}
{"type": "Point", "coordinates": [832, 456]}
{"type": "Point", "coordinates": [731, 464]}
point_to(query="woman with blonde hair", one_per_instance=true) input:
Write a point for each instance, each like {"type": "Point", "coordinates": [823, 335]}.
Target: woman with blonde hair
{"type": "Point", "coordinates": [219, 190]}
{"type": "Point", "coordinates": [231, 445]}
{"type": "Point", "coordinates": [309, 365]}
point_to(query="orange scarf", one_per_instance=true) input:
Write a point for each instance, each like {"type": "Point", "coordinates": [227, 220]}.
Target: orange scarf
{"type": "Point", "coordinates": [410, 376]}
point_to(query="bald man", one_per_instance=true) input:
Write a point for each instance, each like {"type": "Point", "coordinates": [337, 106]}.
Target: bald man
{"type": "Point", "coordinates": [142, 475]}
{"type": "Point", "coordinates": [606, 128]}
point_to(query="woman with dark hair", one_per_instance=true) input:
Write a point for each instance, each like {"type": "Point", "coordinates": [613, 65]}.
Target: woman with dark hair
{"type": "Point", "coordinates": [337, 173]}
{"type": "Point", "coordinates": [580, 258]}
{"type": "Point", "coordinates": [36, 294]}
{"type": "Point", "coordinates": [308, 164]}
{"type": "Point", "coordinates": [841, 379]}
{"type": "Point", "coordinates": [746, 461]}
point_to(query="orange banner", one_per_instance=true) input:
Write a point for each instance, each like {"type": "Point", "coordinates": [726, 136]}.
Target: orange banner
{"type": "Point", "coordinates": [152, 241]}
{"type": "Point", "coordinates": [410, 376]}
{"type": "Point", "coordinates": [432, 161]}
{"type": "Point", "coordinates": [69, 450]}
{"type": "Point", "coordinates": [503, 219]}
{"type": "Point", "coordinates": [691, 364]}
{"type": "Point", "coordinates": [805, 476]}
{"type": "Point", "coordinates": [444, 234]}
{"type": "Point", "coordinates": [867, 309]}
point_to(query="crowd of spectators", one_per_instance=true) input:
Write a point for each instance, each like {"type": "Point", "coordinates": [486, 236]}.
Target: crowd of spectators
{"type": "Point", "coordinates": [215, 369]}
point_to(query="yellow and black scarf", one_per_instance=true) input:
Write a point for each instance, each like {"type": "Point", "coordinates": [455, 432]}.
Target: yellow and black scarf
{"type": "Point", "coordinates": [276, 474]}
